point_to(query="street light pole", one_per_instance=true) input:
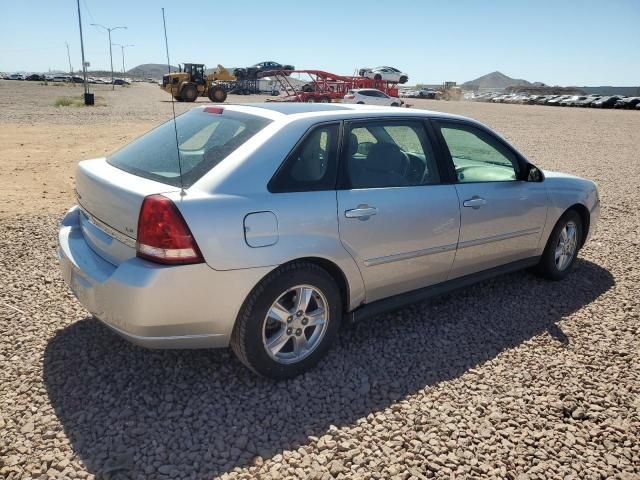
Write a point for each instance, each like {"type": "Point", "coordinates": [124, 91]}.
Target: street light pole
{"type": "Point", "coordinates": [122, 47]}
{"type": "Point", "coordinates": [109, 30]}
{"type": "Point", "coordinates": [84, 64]}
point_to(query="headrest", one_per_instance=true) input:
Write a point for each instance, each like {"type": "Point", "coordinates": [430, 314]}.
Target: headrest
{"type": "Point", "coordinates": [385, 157]}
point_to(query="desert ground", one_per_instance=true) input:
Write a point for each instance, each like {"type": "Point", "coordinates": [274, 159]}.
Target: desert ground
{"type": "Point", "coordinates": [514, 378]}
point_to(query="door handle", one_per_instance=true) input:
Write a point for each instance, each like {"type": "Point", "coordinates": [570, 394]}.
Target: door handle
{"type": "Point", "coordinates": [475, 202]}
{"type": "Point", "coordinates": [362, 212]}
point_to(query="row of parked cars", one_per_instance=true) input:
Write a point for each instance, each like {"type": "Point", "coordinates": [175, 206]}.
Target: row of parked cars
{"type": "Point", "coordinates": [593, 100]}
{"type": "Point", "coordinates": [428, 93]}
{"type": "Point", "coordinates": [37, 77]}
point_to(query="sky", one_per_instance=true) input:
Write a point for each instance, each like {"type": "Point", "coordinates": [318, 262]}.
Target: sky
{"type": "Point", "coordinates": [561, 42]}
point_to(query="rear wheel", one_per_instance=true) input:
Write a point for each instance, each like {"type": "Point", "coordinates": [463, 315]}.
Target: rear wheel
{"type": "Point", "coordinates": [217, 94]}
{"type": "Point", "coordinates": [562, 247]}
{"type": "Point", "coordinates": [324, 100]}
{"type": "Point", "coordinates": [189, 93]}
{"type": "Point", "coordinates": [288, 321]}
{"type": "Point", "coordinates": [377, 76]}
{"type": "Point", "coordinates": [404, 79]}
{"type": "Point", "coordinates": [311, 100]}
{"type": "Point", "coordinates": [177, 98]}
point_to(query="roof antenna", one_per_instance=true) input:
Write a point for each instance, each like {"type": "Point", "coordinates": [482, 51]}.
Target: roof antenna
{"type": "Point", "coordinates": [175, 125]}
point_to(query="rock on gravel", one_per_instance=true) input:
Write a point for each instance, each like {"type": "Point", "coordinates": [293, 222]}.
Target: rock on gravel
{"type": "Point", "coordinates": [514, 378]}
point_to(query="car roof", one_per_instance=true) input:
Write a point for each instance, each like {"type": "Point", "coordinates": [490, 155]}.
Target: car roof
{"type": "Point", "coordinates": [330, 111]}
{"type": "Point", "coordinates": [290, 108]}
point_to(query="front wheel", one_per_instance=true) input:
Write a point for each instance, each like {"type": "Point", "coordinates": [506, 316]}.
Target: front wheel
{"type": "Point", "coordinates": [217, 94]}
{"type": "Point", "coordinates": [189, 93]}
{"type": "Point", "coordinates": [562, 247]}
{"type": "Point", "coordinates": [288, 321]}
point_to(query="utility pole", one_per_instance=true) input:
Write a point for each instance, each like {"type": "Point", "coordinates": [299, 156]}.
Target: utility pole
{"type": "Point", "coordinates": [109, 30]}
{"type": "Point", "coordinates": [122, 47]}
{"type": "Point", "coordinates": [84, 64]}
{"type": "Point", "coordinates": [69, 57]}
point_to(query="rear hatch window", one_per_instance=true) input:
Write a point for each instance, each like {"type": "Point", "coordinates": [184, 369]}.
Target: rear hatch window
{"type": "Point", "coordinates": [204, 139]}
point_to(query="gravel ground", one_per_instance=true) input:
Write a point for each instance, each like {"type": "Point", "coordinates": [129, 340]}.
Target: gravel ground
{"type": "Point", "coordinates": [513, 378]}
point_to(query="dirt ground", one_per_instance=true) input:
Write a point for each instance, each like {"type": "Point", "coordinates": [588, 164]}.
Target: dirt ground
{"type": "Point", "coordinates": [514, 378]}
{"type": "Point", "coordinates": [42, 143]}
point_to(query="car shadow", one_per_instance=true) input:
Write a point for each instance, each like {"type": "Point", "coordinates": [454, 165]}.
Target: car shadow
{"type": "Point", "coordinates": [130, 412]}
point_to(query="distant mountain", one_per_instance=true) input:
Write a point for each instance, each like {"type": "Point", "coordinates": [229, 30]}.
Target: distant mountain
{"type": "Point", "coordinates": [153, 70]}
{"type": "Point", "coordinates": [495, 81]}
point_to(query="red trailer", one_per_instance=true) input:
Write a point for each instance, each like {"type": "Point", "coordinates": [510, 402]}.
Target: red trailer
{"type": "Point", "coordinates": [322, 87]}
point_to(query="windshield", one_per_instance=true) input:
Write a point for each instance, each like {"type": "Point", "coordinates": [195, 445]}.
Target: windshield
{"type": "Point", "coordinates": [205, 139]}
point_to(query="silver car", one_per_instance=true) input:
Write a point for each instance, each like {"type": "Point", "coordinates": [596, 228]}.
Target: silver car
{"type": "Point", "coordinates": [272, 223]}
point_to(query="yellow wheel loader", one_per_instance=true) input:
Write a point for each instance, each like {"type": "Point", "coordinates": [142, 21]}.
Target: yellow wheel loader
{"type": "Point", "coordinates": [449, 91]}
{"type": "Point", "coordinates": [190, 82]}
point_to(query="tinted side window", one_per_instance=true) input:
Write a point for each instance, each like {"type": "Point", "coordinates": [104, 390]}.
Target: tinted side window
{"type": "Point", "coordinates": [477, 157]}
{"type": "Point", "coordinates": [383, 154]}
{"type": "Point", "coordinates": [312, 165]}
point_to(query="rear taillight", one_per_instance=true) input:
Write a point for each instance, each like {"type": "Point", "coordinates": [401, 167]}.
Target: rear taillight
{"type": "Point", "coordinates": [350, 96]}
{"type": "Point", "coordinates": [163, 235]}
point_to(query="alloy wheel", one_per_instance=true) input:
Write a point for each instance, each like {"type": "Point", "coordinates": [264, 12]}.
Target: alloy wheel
{"type": "Point", "coordinates": [566, 247]}
{"type": "Point", "coordinates": [295, 324]}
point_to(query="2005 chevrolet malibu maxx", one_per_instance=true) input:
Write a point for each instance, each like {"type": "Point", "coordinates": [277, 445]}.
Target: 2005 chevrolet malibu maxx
{"type": "Point", "coordinates": [263, 226]}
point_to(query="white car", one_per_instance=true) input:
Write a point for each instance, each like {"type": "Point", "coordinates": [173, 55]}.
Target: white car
{"type": "Point", "coordinates": [387, 74]}
{"type": "Point", "coordinates": [371, 96]}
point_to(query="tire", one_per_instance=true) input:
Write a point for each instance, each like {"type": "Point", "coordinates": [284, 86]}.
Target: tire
{"type": "Point", "coordinates": [377, 76]}
{"type": "Point", "coordinates": [311, 100]}
{"type": "Point", "coordinates": [394, 104]}
{"type": "Point", "coordinates": [177, 98]}
{"type": "Point", "coordinates": [189, 93]}
{"type": "Point", "coordinates": [324, 100]}
{"type": "Point", "coordinates": [550, 265]}
{"type": "Point", "coordinates": [360, 103]}
{"type": "Point", "coordinates": [403, 79]}
{"type": "Point", "coordinates": [254, 327]}
{"type": "Point", "coordinates": [217, 94]}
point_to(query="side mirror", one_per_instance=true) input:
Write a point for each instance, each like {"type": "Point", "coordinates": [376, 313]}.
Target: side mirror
{"type": "Point", "coordinates": [534, 174]}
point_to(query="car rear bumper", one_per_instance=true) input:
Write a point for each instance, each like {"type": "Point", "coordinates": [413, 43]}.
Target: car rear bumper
{"type": "Point", "coordinates": [156, 306]}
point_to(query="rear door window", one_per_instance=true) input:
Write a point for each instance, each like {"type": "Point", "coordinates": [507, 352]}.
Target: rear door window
{"type": "Point", "coordinates": [204, 140]}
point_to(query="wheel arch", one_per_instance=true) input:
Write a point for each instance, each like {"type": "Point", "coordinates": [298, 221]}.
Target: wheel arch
{"type": "Point", "coordinates": [336, 273]}
{"type": "Point", "coordinates": [585, 217]}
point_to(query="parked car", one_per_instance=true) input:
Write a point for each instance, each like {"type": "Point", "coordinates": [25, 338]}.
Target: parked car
{"type": "Point", "coordinates": [61, 78]}
{"type": "Point", "coordinates": [371, 96]}
{"type": "Point", "coordinates": [262, 67]}
{"type": "Point", "coordinates": [15, 76]}
{"type": "Point", "coordinates": [427, 93]}
{"type": "Point", "coordinates": [245, 247]}
{"type": "Point", "coordinates": [627, 103]}
{"type": "Point", "coordinates": [120, 81]}
{"type": "Point", "coordinates": [606, 102]}
{"type": "Point", "coordinates": [585, 102]}
{"type": "Point", "coordinates": [34, 77]}
{"type": "Point", "coordinates": [571, 101]}
{"type": "Point", "coordinates": [545, 99]}
{"type": "Point", "coordinates": [386, 74]}
{"type": "Point", "coordinates": [556, 101]}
